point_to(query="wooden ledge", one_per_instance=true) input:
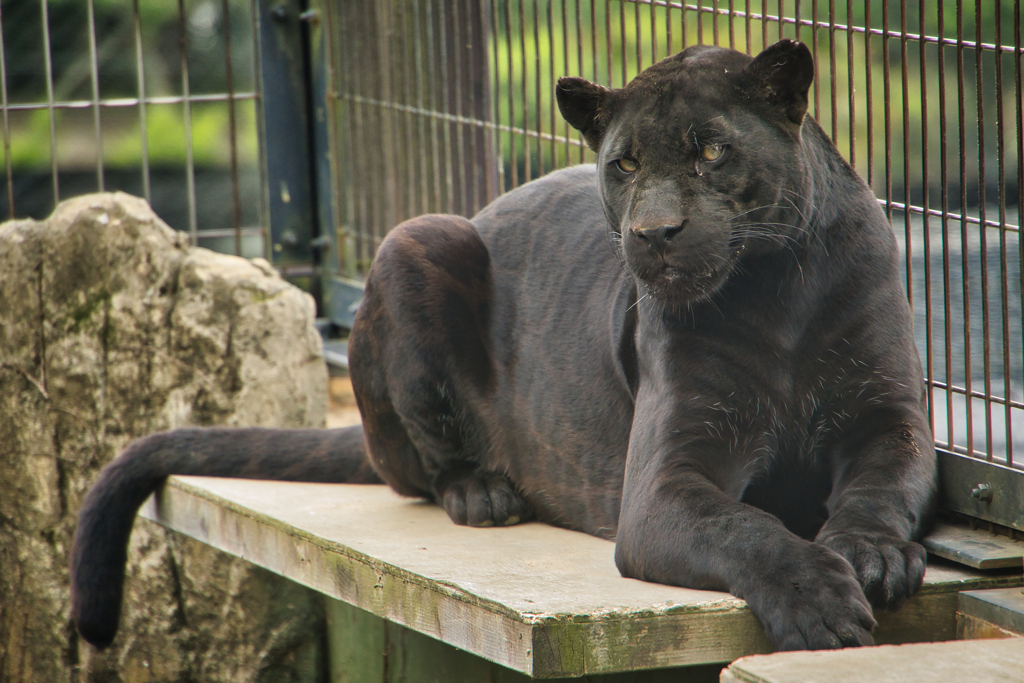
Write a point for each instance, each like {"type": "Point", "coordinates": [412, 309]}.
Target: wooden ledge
{"type": "Point", "coordinates": [543, 601]}
{"type": "Point", "coordinates": [971, 661]}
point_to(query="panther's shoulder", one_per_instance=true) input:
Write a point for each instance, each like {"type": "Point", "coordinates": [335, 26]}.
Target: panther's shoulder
{"type": "Point", "coordinates": [567, 195]}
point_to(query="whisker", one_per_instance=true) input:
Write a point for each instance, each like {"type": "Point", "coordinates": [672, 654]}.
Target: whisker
{"type": "Point", "coordinates": [756, 208]}
{"type": "Point", "coordinates": [637, 302]}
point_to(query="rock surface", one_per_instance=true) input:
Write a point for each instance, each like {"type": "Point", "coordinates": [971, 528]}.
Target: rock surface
{"type": "Point", "coordinates": [112, 327]}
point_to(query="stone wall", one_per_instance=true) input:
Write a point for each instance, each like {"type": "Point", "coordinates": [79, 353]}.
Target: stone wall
{"type": "Point", "coordinates": [112, 327]}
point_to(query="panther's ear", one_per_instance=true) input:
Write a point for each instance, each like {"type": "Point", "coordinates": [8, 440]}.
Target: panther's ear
{"type": "Point", "coordinates": [585, 106]}
{"type": "Point", "coordinates": [783, 74]}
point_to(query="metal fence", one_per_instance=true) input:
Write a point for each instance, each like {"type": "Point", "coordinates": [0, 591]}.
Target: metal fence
{"type": "Point", "coordinates": [439, 106]}
{"type": "Point", "coordinates": [258, 125]}
{"type": "Point", "coordinates": [153, 97]}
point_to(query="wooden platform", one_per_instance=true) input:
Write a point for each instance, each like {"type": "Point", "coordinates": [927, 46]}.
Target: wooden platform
{"type": "Point", "coordinates": [539, 600]}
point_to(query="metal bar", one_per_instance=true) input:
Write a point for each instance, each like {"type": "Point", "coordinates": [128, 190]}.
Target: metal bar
{"type": "Point", "coordinates": [579, 64]}
{"type": "Point", "coordinates": [1004, 276]}
{"type": "Point", "coordinates": [594, 60]}
{"type": "Point", "coordinates": [141, 81]}
{"type": "Point", "coordinates": [988, 47]}
{"type": "Point", "coordinates": [1019, 104]}
{"type": "Point", "coordinates": [349, 238]}
{"type": "Point", "coordinates": [423, 121]}
{"type": "Point", "coordinates": [622, 39]}
{"type": "Point", "coordinates": [608, 38]}
{"type": "Point", "coordinates": [926, 228]}
{"type": "Point", "coordinates": [123, 102]}
{"type": "Point", "coordinates": [261, 125]}
{"type": "Point", "coordinates": [670, 45]}
{"type": "Point", "coordinates": [461, 162]}
{"type": "Point", "coordinates": [796, 16]}
{"type": "Point", "coordinates": [337, 112]}
{"type": "Point", "coordinates": [654, 35]}
{"type": "Point", "coordinates": [851, 91]}
{"type": "Point", "coordinates": [868, 101]}
{"type": "Point", "coordinates": [886, 78]}
{"type": "Point", "coordinates": [764, 29]}
{"type": "Point", "coordinates": [553, 77]}
{"type": "Point", "coordinates": [714, 22]}
{"type": "Point", "coordinates": [639, 38]}
{"type": "Point", "coordinates": [747, 31]}
{"type": "Point", "coordinates": [236, 200]}
{"type": "Point", "coordinates": [495, 114]}
{"type": "Point", "coordinates": [965, 274]}
{"type": "Point", "coordinates": [553, 108]}
{"type": "Point", "coordinates": [333, 229]}
{"type": "Point", "coordinates": [454, 118]}
{"type": "Point", "coordinates": [905, 102]}
{"type": "Point", "coordinates": [8, 163]}
{"type": "Point", "coordinates": [94, 79]}
{"type": "Point", "coordinates": [814, 52]}
{"type": "Point", "coordinates": [947, 298]}
{"type": "Point", "coordinates": [527, 175]}
{"type": "Point", "coordinates": [211, 233]}
{"type": "Point", "coordinates": [434, 140]}
{"type": "Point", "coordinates": [732, 26]}
{"type": "Point", "coordinates": [48, 66]}
{"type": "Point", "coordinates": [833, 77]}
{"type": "Point", "coordinates": [511, 97]}
{"type": "Point", "coordinates": [982, 209]}
{"type": "Point", "coordinates": [363, 206]}
{"type": "Point", "coordinates": [390, 197]}
{"type": "Point", "coordinates": [699, 18]}
{"type": "Point", "coordinates": [190, 169]}
{"type": "Point", "coordinates": [964, 391]}
{"type": "Point", "coordinates": [409, 121]}
{"type": "Point", "coordinates": [537, 85]}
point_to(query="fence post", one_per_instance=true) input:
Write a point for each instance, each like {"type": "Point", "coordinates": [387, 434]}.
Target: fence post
{"type": "Point", "coordinates": [284, 72]}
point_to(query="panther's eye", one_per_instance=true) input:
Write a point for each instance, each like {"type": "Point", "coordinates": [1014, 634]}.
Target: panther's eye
{"type": "Point", "coordinates": [712, 152]}
{"type": "Point", "coordinates": [626, 165]}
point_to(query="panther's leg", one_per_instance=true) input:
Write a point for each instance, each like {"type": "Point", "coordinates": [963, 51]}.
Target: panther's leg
{"type": "Point", "coordinates": [423, 373]}
{"type": "Point", "coordinates": [682, 523]}
{"type": "Point", "coordinates": [474, 497]}
{"type": "Point", "coordinates": [885, 487]}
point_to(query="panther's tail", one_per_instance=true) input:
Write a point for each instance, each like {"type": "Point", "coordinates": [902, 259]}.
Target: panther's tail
{"type": "Point", "coordinates": [106, 518]}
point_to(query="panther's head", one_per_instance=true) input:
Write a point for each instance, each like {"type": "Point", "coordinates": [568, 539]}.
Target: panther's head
{"type": "Point", "coordinates": [699, 161]}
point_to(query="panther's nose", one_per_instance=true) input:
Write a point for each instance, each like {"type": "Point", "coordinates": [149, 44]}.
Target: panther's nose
{"type": "Point", "coordinates": [658, 237]}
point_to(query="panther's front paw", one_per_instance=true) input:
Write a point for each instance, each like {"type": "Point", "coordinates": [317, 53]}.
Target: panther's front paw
{"type": "Point", "coordinates": [474, 498]}
{"type": "Point", "coordinates": [889, 569]}
{"type": "Point", "coordinates": [812, 601]}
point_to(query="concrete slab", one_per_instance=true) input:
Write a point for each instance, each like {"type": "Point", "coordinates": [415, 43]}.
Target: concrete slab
{"type": "Point", "coordinates": [974, 547]}
{"type": "Point", "coordinates": [539, 600]}
{"type": "Point", "coordinates": [974, 661]}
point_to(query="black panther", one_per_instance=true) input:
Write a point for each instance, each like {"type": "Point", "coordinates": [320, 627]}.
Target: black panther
{"type": "Point", "coordinates": [698, 347]}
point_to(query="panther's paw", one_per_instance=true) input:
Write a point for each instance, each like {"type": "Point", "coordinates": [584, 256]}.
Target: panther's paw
{"type": "Point", "coordinates": [889, 569]}
{"type": "Point", "coordinates": [812, 601]}
{"type": "Point", "coordinates": [474, 498]}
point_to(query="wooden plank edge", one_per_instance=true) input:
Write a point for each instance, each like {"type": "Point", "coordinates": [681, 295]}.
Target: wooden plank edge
{"type": "Point", "coordinates": [543, 646]}
{"type": "Point", "coordinates": [439, 610]}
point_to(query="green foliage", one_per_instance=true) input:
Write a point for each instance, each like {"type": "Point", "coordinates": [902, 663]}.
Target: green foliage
{"type": "Point", "coordinates": [166, 137]}
{"type": "Point", "coordinates": [533, 47]}
{"type": "Point", "coordinates": [117, 73]}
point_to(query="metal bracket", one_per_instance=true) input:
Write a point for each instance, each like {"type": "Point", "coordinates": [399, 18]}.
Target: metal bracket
{"type": "Point", "coordinates": [981, 489]}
